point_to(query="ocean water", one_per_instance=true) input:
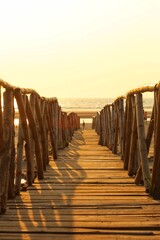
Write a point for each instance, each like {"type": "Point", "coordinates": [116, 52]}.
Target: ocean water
{"type": "Point", "coordinates": [93, 104]}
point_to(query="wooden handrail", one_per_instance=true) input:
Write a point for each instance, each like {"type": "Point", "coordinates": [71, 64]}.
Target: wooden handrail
{"type": "Point", "coordinates": [39, 117]}
{"type": "Point", "coordinates": [121, 127]}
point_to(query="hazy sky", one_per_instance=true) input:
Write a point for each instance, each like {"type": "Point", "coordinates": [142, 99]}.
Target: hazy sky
{"type": "Point", "coordinates": [80, 48]}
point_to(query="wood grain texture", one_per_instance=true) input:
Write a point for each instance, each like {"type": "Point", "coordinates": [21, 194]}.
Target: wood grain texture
{"type": "Point", "coordinates": [85, 194]}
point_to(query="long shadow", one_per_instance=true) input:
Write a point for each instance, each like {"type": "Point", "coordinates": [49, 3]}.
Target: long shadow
{"type": "Point", "coordinates": [47, 208]}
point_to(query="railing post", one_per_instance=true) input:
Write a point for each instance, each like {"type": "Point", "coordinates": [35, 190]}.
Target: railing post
{"type": "Point", "coordinates": [128, 125]}
{"type": "Point", "coordinates": [23, 116]}
{"type": "Point", "coordinates": [33, 128]}
{"type": "Point", "coordinates": [133, 146]}
{"type": "Point", "coordinates": [6, 148]}
{"type": "Point", "coordinates": [142, 143]}
{"type": "Point", "coordinates": [155, 183]}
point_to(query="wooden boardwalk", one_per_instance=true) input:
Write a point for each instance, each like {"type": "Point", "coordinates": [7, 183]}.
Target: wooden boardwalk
{"type": "Point", "coordinates": [86, 194]}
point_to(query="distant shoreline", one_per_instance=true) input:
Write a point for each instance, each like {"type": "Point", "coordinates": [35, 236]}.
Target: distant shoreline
{"type": "Point", "coordinates": [85, 113]}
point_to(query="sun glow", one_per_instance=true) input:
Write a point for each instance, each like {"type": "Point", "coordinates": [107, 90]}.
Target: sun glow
{"type": "Point", "coordinates": [80, 48]}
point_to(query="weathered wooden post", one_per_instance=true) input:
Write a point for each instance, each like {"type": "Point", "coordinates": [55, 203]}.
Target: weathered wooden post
{"type": "Point", "coordinates": [97, 124]}
{"type": "Point", "coordinates": [114, 150]}
{"type": "Point", "coordinates": [33, 128]}
{"type": "Point", "coordinates": [133, 146]}
{"type": "Point", "coordinates": [46, 128]}
{"type": "Point", "coordinates": [148, 142]}
{"type": "Point", "coordinates": [42, 132]}
{"type": "Point", "coordinates": [19, 160]}
{"type": "Point", "coordinates": [5, 161]}
{"type": "Point", "coordinates": [11, 190]}
{"type": "Point", "coordinates": [109, 126]}
{"type": "Point", "coordinates": [23, 116]}
{"type": "Point", "coordinates": [128, 125]}
{"type": "Point", "coordinates": [48, 113]}
{"type": "Point", "coordinates": [155, 183]}
{"type": "Point", "coordinates": [60, 141]}
{"type": "Point", "coordinates": [100, 128]}
{"type": "Point", "coordinates": [121, 124]}
{"type": "Point", "coordinates": [112, 127]}
{"type": "Point", "coordinates": [31, 102]}
{"type": "Point", "coordinates": [142, 143]}
{"type": "Point", "coordinates": [150, 130]}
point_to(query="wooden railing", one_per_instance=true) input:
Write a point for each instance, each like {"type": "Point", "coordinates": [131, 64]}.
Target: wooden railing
{"type": "Point", "coordinates": [122, 128]}
{"type": "Point", "coordinates": [42, 128]}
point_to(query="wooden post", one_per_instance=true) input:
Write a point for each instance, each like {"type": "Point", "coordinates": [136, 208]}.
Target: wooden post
{"type": "Point", "coordinates": [148, 142]}
{"type": "Point", "coordinates": [22, 112]}
{"type": "Point", "coordinates": [11, 190]}
{"type": "Point", "coordinates": [48, 112]}
{"type": "Point", "coordinates": [19, 160]}
{"type": "Point", "coordinates": [43, 107]}
{"type": "Point", "coordinates": [128, 131]}
{"type": "Point", "coordinates": [150, 130]}
{"type": "Point", "coordinates": [106, 126]}
{"type": "Point", "coordinates": [124, 136]}
{"type": "Point", "coordinates": [32, 140]}
{"type": "Point", "coordinates": [112, 127]}
{"type": "Point", "coordinates": [42, 133]}
{"type": "Point", "coordinates": [54, 119]}
{"type": "Point", "coordinates": [60, 141]}
{"type": "Point", "coordinates": [100, 129]}
{"type": "Point", "coordinates": [1, 124]}
{"type": "Point", "coordinates": [7, 148]}
{"type": "Point", "coordinates": [32, 125]}
{"type": "Point", "coordinates": [155, 187]}
{"type": "Point", "coordinates": [121, 124]}
{"type": "Point", "coordinates": [142, 142]}
{"type": "Point", "coordinates": [133, 145]}
{"type": "Point", "coordinates": [114, 150]}
{"type": "Point", "coordinates": [109, 145]}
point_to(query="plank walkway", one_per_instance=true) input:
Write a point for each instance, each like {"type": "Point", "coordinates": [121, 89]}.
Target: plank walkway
{"type": "Point", "coordinates": [86, 194]}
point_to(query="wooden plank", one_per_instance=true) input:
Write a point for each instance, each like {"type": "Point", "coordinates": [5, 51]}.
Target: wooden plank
{"type": "Point", "coordinates": [85, 194]}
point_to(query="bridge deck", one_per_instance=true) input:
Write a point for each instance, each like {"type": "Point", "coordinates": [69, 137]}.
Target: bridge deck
{"type": "Point", "coordinates": [86, 194]}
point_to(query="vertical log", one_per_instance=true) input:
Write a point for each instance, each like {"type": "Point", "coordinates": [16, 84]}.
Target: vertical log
{"type": "Point", "coordinates": [106, 125]}
{"type": "Point", "coordinates": [19, 160]}
{"type": "Point", "coordinates": [43, 107]}
{"type": "Point", "coordinates": [1, 151]}
{"type": "Point", "coordinates": [60, 141]}
{"type": "Point", "coordinates": [48, 113]}
{"type": "Point", "coordinates": [109, 127]}
{"type": "Point", "coordinates": [124, 133]}
{"type": "Point", "coordinates": [150, 131]}
{"type": "Point", "coordinates": [42, 133]}
{"type": "Point", "coordinates": [105, 129]}
{"type": "Point", "coordinates": [141, 142]}
{"type": "Point", "coordinates": [7, 148]}
{"type": "Point", "coordinates": [32, 140]}
{"type": "Point", "coordinates": [103, 142]}
{"type": "Point", "coordinates": [148, 142]}
{"type": "Point", "coordinates": [22, 112]}
{"type": "Point", "coordinates": [112, 126]}
{"type": "Point", "coordinates": [128, 131]}
{"type": "Point", "coordinates": [55, 122]}
{"type": "Point", "coordinates": [121, 124]}
{"type": "Point", "coordinates": [155, 187]}
{"type": "Point", "coordinates": [1, 123]}
{"type": "Point", "coordinates": [115, 129]}
{"type": "Point", "coordinates": [133, 145]}
{"type": "Point", "coordinates": [11, 190]}
{"type": "Point", "coordinates": [32, 125]}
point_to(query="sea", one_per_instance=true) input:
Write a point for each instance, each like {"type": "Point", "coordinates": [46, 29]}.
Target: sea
{"type": "Point", "coordinates": [91, 104]}
{"type": "Point", "coordinates": [94, 104]}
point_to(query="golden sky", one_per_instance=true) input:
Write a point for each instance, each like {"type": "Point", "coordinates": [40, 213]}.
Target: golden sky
{"type": "Point", "coordinates": [80, 48]}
